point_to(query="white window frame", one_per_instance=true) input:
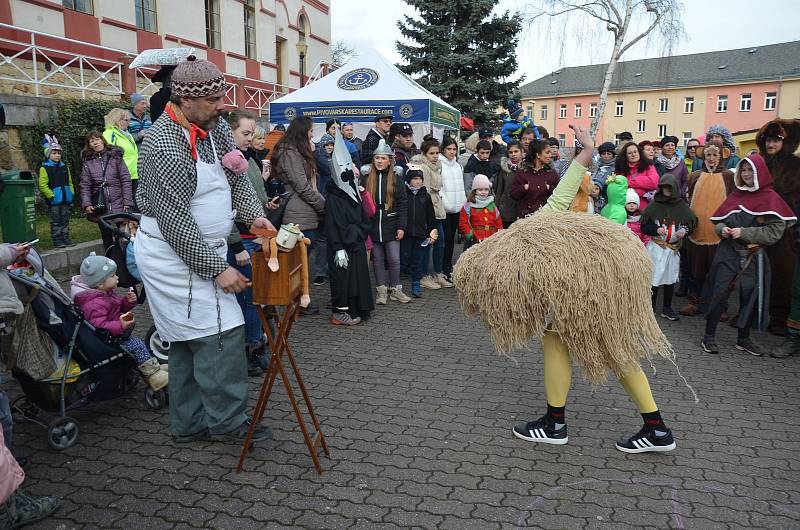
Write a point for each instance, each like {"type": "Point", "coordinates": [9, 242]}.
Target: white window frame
{"type": "Point", "coordinates": [722, 103]}
{"type": "Point", "coordinates": [662, 130]}
{"type": "Point", "coordinates": [642, 106]}
{"type": "Point", "coordinates": [770, 97]}
{"type": "Point", "coordinates": [663, 105]}
{"type": "Point", "coordinates": [619, 108]}
{"type": "Point", "coordinates": [745, 102]}
{"type": "Point", "coordinates": [562, 140]}
{"type": "Point", "coordinates": [592, 110]}
{"type": "Point", "coordinates": [688, 105]}
{"type": "Point", "coordinates": [578, 110]}
{"type": "Point", "coordinates": [641, 126]}
{"type": "Point", "coordinates": [544, 112]}
{"type": "Point", "coordinates": [562, 111]}
{"type": "Point", "coordinates": [687, 135]}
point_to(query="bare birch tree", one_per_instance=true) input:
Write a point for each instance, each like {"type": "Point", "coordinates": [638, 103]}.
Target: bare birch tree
{"type": "Point", "coordinates": [661, 18]}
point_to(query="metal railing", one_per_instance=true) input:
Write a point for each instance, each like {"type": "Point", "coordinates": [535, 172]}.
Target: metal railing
{"type": "Point", "coordinates": [258, 98]}
{"type": "Point", "coordinates": [44, 66]}
{"type": "Point", "coordinates": [318, 72]}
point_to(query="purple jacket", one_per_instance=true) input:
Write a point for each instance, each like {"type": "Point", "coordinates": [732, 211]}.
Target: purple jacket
{"type": "Point", "coordinates": [119, 194]}
{"type": "Point", "coordinates": [101, 309]}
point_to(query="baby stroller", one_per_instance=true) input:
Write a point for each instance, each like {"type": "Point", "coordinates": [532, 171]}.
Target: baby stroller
{"type": "Point", "coordinates": [91, 365]}
{"type": "Point", "coordinates": [128, 275]}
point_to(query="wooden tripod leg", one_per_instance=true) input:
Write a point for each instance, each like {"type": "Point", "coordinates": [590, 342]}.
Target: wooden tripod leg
{"type": "Point", "coordinates": [320, 437]}
{"type": "Point", "coordinates": [306, 436]}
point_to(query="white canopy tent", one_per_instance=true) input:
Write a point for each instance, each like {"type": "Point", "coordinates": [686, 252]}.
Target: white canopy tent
{"type": "Point", "coordinates": [365, 87]}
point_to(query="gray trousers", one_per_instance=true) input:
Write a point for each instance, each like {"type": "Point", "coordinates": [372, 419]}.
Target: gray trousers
{"type": "Point", "coordinates": [208, 387]}
{"type": "Point", "coordinates": [59, 223]}
{"type": "Point", "coordinates": [381, 253]}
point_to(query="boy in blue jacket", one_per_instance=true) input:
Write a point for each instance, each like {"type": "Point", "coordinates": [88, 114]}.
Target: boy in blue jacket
{"type": "Point", "coordinates": [55, 184]}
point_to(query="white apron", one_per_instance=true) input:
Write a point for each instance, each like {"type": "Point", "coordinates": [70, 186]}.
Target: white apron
{"type": "Point", "coordinates": [167, 278]}
{"type": "Point", "coordinates": [666, 262]}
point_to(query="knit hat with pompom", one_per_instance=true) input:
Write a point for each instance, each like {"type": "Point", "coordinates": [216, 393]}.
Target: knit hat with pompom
{"type": "Point", "coordinates": [196, 78]}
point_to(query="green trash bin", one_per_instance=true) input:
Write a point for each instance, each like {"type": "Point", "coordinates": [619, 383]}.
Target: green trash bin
{"type": "Point", "coordinates": [18, 207]}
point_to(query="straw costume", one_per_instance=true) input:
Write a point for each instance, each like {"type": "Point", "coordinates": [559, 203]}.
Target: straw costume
{"type": "Point", "coordinates": [535, 294]}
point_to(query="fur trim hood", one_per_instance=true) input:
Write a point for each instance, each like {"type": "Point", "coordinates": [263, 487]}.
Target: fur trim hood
{"type": "Point", "coordinates": [789, 129]}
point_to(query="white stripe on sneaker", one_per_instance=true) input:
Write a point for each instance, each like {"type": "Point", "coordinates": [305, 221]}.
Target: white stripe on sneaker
{"type": "Point", "coordinates": [647, 442]}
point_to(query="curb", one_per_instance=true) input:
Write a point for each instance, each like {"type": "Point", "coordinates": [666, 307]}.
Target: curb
{"type": "Point", "coordinates": [68, 260]}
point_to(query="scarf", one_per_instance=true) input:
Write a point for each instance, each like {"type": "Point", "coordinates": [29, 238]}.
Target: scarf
{"type": "Point", "coordinates": [669, 163]}
{"type": "Point", "coordinates": [195, 132]}
{"type": "Point", "coordinates": [512, 166]}
{"type": "Point", "coordinates": [413, 189]}
{"type": "Point", "coordinates": [482, 203]}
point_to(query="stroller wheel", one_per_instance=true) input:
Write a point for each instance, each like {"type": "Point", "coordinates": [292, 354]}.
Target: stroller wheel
{"type": "Point", "coordinates": [155, 399]}
{"type": "Point", "coordinates": [62, 433]}
{"type": "Point", "coordinates": [160, 348]}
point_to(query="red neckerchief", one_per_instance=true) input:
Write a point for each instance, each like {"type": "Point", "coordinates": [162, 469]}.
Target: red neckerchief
{"type": "Point", "coordinates": [195, 132]}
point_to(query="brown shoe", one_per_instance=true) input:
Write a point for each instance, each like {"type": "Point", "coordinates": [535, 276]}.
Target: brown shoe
{"type": "Point", "coordinates": [690, 310]}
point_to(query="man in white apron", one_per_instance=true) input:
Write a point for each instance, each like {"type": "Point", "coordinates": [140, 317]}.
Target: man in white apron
{"type": "Point", "coordinates": [189, 202]}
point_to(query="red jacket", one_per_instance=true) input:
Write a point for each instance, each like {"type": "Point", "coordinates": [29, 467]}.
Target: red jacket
{"type": "Point", "coordinates": [479, 223]}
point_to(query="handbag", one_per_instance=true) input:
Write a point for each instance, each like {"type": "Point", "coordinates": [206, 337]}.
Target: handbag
{"type": "Point", "coordinates": [99, 203]}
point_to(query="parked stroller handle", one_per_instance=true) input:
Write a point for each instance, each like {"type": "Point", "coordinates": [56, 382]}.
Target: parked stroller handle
{"type": "Point", "coordinates": [109, 222]}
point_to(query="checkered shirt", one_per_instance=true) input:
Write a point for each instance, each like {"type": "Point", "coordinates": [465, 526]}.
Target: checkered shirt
{"type": "Point", "coordinates": [167, 182]}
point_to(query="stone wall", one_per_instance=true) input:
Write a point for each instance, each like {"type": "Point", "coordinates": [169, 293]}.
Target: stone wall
{"type": "Point", "coordinates": [11, 80]}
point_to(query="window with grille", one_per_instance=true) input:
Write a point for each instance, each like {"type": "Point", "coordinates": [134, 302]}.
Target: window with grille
{"type": "Point", "coordinates": [663, 105]}
{"type": "Point", "coordinates": [642, 106]}
{"type": "Point", "coordinates": [770, 100]}
{"type": "Point", "coordinates": [146, 15]}
{"type": "Point", "coordinates": [640, 126]}
{"type": "Point", "coordinates": [250, 29]}
{"type": "Point", "coordinates": [578, 110]}
{"type": "Point", "coordinates": [592, 110]}
{"type": "Point", "coordinates": [562, 140]}
{"type": "Point", "coordinates": [544, 112]}
{"type": "Point", "coordinates": [745, 102]}
{"type": "Point", "coordinates": [84, 6]}
{"type": "Point", "coordinates": [618, 109]}
{"type": "Point", "coordinates": [687, 135]}
{"type": "Point", "coordinates": [688, 105]}
{"type": "Point", "coordinates": [662, 130]}
{"type": "Point", "coordinates": [562, 111]}
{"type": "Point", "coordinates": [722, 103]}
{"type": "Point", "coordinates": [213, 35]}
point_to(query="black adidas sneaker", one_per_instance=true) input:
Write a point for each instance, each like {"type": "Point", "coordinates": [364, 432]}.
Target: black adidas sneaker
{"type": "Point", "coordinates": [541, 431]}
{"type": "Point", "coordinates": [647, 440]}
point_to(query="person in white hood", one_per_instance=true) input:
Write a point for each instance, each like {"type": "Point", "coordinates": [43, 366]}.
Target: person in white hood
{"type": "Point", "coordinates": [453, 198]}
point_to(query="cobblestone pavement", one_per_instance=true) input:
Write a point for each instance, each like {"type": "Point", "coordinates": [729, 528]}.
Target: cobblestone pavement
{"type": "Point", "coordinates": [418, 411]}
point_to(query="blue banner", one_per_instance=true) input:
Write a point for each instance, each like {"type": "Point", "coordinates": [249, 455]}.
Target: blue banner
{"type": "Point", "coordinates": [415, 110]}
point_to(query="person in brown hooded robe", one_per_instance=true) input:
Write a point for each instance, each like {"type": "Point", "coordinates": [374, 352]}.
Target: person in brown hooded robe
{"type": "Point", "coordinates": [777, 141]}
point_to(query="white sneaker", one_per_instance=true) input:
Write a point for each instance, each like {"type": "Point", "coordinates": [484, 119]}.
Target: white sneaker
{"type": "Point", "coordinates": [442, 280]}
{"type": "Point", "coordinates": [380, 299]}
{"type": "Point", "coordinates": [396, 293]}
{"type": "Point", "coordinates": [429, 283]}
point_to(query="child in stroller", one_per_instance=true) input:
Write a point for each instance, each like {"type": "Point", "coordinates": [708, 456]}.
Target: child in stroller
{"type": "Point", "coordinates": [93, 293]}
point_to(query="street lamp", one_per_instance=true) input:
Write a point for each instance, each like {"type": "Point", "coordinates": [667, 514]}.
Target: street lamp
{"type": "Point", "coordinates": [302, 49]}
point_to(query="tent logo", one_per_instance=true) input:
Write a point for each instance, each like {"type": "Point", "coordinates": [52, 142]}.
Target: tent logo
{"type": "Point", "coordinates": [406, 111]}
{"type": "Point", "coordinates": [290, 113]}
{"type": "Point", "coordinates": [358, 79]}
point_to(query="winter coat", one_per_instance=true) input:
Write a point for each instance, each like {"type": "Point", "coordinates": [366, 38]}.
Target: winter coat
{"type": "Point", "coordinates": [9, 302]}
{"type": "Point", "coordinates": [512, 129]}
{"type": "Point", "coordinates": [601, 173]}
{"type": "Point", "coordinates": [130, 151]}
{"type": "Point", "coordinates": [119, 195]}
{"type": "Point", "coordinates": [370, 144]}
{"type": "Point", "coordinates": [386, 223]}
{"type": "Point", "coordinates": [403, 156]}
{"type": "Point", "coordinates": [616, 191]}
{"type": "Point", "coordinates": [541, 184]}
{"type": "Point", "coordinates": [306, 204]}
{"type": "Point", "coordinates": [680, 172]}
{"type": "Point", "coordinates": [421, 218]}
{"type": "Point", "coordinates": [239, 229]}
{"type": "Point", "coordinates": [784, 165]}
{"type": "Point", "coordinates": [634, 223]}
{"type": "Point", "coordinates": [102, 309]}
{"type": "Point", "coordinates": [138, 126]}
{"type": "Point", "coordinates": [432, 180]}
{"type": "Point", "coordinates": [502, 193]}
{"type": "Point", "coordinates": [476, 166]}
{"type": "Point", "coordinates": [643, 183]}
{"type": "Point", "coordinates": [324, 169]}
{"type": "Point", "coordinates": [55, 183]}
{"type": "Point", "coordinates": [453, 192]}
{"type": "Point", "coordinates": [476, 224]}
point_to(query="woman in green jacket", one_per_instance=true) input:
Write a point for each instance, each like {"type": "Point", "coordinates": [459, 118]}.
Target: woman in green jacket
{"type": "Point", "coordinates": [117, 134]}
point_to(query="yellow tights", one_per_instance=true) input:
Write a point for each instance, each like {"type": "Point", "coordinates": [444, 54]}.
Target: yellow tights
{"type": "Point", "coordinates": [558, 377]}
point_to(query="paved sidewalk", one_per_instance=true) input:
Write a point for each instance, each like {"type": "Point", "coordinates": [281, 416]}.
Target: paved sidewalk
{"type": "Point", "coordinates": [418, 412]}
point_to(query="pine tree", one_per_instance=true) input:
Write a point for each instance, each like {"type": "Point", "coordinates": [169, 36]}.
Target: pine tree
{"type": "Point", "coordinates": [462, 53]}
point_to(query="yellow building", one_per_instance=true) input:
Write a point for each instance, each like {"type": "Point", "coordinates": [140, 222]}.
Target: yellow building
{"type": "Point", "coordinates": [679, 95]}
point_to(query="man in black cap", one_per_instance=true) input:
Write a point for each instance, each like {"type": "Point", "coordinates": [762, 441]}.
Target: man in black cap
{"type": "Point", "coordinates": [498, 149]}
{"type": "Point", "coordinates": [403, 146]}
{"type": "Point", "coordinates": [383, 122]}
{"type": "Point", "coordinates": [624, 137]}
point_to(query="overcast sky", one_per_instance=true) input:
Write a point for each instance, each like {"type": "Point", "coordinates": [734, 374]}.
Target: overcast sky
{"type": "Point", "coordinates": [709, 26]}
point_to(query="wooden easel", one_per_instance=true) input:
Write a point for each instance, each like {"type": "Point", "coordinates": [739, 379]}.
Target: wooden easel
{"type": "Point", "coordinates": [284, 287]}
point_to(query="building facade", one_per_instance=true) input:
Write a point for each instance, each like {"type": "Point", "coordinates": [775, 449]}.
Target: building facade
{"type": "Point", "coordinates": [678, 95]}
{"type": "Point", "coordinates": [82, 48]}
